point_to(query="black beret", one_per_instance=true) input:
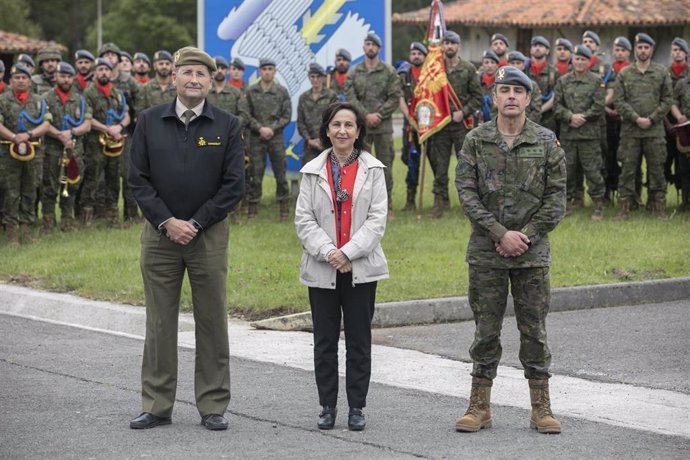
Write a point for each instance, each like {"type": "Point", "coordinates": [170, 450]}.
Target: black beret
{"type": "Point", "coordinates": [644, 38]}
{"type": "Point", "coordinates": [139, 55]}
{"type": "Point", "coordinates": [237, 62]}
{"type": "Point", "coordinates": [419, 47]}
{"type": "Point", "coordinates": [593, 35]}
{"type": "Point", "coordinates": [372, 37]}
{"type": "Point", "coordinates": [315, 68]}
{"type": "Point", "coordinates": [20, 68]}
{"type": "Point", "coordinates": [451, 37]}
{"type": "Point", "coordinates": [26, 59]}
{"type": "Point", "coordinates": [682, 44]}
{"type": "Point", "coordinates": [190, 55]}
{"type": "Point", "coordinates": [220, 61]}
{"type": "Point", "coordinates": [565, 43]}
{"type": "Point", "coordinates": [266, 61]}
{"type": "Point", "coordinates": [509, 75]}
{"type": "Point", "coordinates": [488, 54]}
{"type": "Point", "coordinates": [582, 50]}
{"type": "Point", "coordinates": [105, 62]}
{"type": "Point", "coordinates": [162, 55]}
{"type": "Point", "coordinates": [501, 37]}
{"type": "Point", "coordinates": [65, 67]}
{"type": "Point", "coordinates": [623, 43]}
{"type": "Point", "coordinates": [127, 55]}
{"type": "Point", "coordinates": [343, 53]}
{"type": "Point", "coordinates": [516, 56]}
{"type": "Point", "coordinates": [539, 40]}
{"type": "Point", "coordinates": [84, 54]}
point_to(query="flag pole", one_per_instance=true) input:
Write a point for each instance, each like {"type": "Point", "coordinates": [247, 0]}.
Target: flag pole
{"type": "Point", "coordinates": [422, 160]}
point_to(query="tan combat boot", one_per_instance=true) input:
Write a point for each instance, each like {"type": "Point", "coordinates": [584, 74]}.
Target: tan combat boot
{"type": "Point", "coordinates": [25, 234]}
{"type": "Point", "coordinates": [624, 210]}
{"type": "Point", "coordinates": [437, 210]}
{"type": "Point", "coordinates": [542, 418]}
{"type": "Point", "coordinates": [478, 414]}
{"type": "Point", "coordinates": [659, 206]}
{"type": "Point", "coordinates": [284, 211]}
{"type": "Point", "coordinates": [12, 235]}
{"type": "Point", "coordinates": [598, 212]}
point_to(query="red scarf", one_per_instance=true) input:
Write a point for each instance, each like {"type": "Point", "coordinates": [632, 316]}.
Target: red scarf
{"type": "Point", "coordinates": [2, 87]}
{"type": "Point", "coordinates": [347, 182]}
{"type": "Point", "coordinates": [678, 69]}
{"type": "Point", "coordinates": [618, 66]}
{"type": "Point", "coordinates": [64, 97]}
{"type": "Point", "coordinates": [537, 68]}
{"type": "Point", "coordinates": [236, 83]}
{"type": "Point", "coordinates": [143, 80]}
{"type": "Point", "coordinates": [104, 89]}
{"type": "Point", "coordinates": [562, 67]}
{"type": "Point", "coordinates": [415, 72]}
{"type": "Point", "coordinates": [593, 61]}
{"type": "Point", "coordinates": [502, 62]}
{"type": "Point", "coordinates": [340, 78]}
{"type": "Point", "coordinates": [488, 79]}
{"type": "Point", "coordinates": [21, 97]}
{"type": "Point", "coordinates": [82, 81]}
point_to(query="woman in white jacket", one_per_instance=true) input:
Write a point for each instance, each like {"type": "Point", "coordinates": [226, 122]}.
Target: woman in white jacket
{"type": "Point", "coordinates": [340, 219]}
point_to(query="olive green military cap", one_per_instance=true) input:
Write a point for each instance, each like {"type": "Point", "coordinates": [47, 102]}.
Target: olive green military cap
{"type": "Point", "coordinates": [109, 47]}
{"type": "Point", "coordinates": [47, 53]}
{"type": "Point", "coordinates": [190, 55]}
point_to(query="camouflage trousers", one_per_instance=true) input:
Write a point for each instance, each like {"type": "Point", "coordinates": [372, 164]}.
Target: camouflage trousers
{"type": "Point", "coordinates": [382, 148]}
{"type": "Point", "coordinates": [20, 179]}
{"type": "Point", "coordinates": [587, 155]}
{"type": "Point", "coordinates": [441, 145]}
{"type": "Point", "coordinates": [276, 153]}
{"type": "Point", "coordinates": [548, 120]}
{"type": "Point", "coordinates": [309, 154]}
{"type": "Point", "coordinates": [130, 204]}
{"type": "Point", "coordinates": [488, 293]}
{"type": "Point", "coordinates": [101, 188]}
{"type": "Point", "coordinates": [51, 187]}
{"type": "Point", "coordinates": [630, 153]}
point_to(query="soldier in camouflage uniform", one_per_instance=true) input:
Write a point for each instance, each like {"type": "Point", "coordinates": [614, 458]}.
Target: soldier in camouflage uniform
{"type": "Point", "coordinates": [110, 116]}
{"type": "Point", "coordinates": [578, 106]}
{"type": "Point", "coordinates": [678, 71]}
{"type": "Point", "coordinates": [23, 118]}
{"type": "Point", "coordinates": [141, 67]}
{"type": "Point", "coordinates": [518, 60]}
{"type": "Point", "coordinates": [47, 60]}
{"type": "Point", "coordinates": [462, 76]}
{"type": "Point", "coordinates": [83, 63]}
{"type": "Point", "coordinates": [545, 75]}
{"type": "Point", "coordinates": [310, 107]}
{"type": "Point", "coordinates": [335, 80]}
{"type": "Point", "coordinates": [487, 75]}
{"type": "Point", "coordinates": [500, 45]}
{"type": "Point", "coordinates": [682, 96]}
{"type": "Point", "coordinates": [643, 97]}
{"type": "Point", "coordinates": [511, 181]}
{"type": "Point", "coordinates": [236, 72]}
{"type": "Point", "coordinates": [267, 109]}
{"type": "Point", "coordinates": [374, 88]}
{"type": "Point", "coordinates": [2, 76]}
{"type": "Point", "coordinates": [160, 90]}
{"type": "Point", "coordinates": [222, 95]}
{"type": "Point", "coordinates": [564, 53]}
{"type": "Point", "coordinates": [71, 120]}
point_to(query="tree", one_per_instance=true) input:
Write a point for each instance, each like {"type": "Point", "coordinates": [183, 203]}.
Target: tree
{"type": "Point", "coordinates": [403, 35]}
{"type": "Point", "coordinates": [65, 21]}
{"type": "Point", "coordinates": [15, 18]}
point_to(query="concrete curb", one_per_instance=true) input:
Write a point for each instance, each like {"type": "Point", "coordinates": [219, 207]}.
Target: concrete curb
{"type": "Point", "coordinates": [450, 309]}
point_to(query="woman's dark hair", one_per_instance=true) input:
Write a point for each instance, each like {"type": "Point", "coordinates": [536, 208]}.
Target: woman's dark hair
{"type": "Point", "coordinates": [328, 115]}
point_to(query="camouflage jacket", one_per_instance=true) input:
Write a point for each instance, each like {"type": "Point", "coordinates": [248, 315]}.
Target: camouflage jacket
{"type": "Point", "coordinates": [332, 83]}
{"type": "Point", "coordinates": [310, 111]}
{"type": "Point", "coordinates": [604, 71]}
{"type": "Point", "coordinates": [152, 94]}
{"type": "Point", "coordinates": [77, 86]}
{"type": "Point", "coordinates": [227, 99]}
{"type": "Point", "coordinates": [73, 108]}
{"type": "Point", "coordinates": [42, 83]}
{"type": "Point", "coordinates": [10, 109]}
{"type": "Point", "coordinates": [99, 107]}
{"type": "Point", "coordinates": [647, 94]}
{"type": "Point", "coordinates": [505, 188]}
{"type": "Point", "coordinates": [546, 79]}
{"type": "Point", "coordinates": [675, 79]}
{"type": "Point", "coordinates": [130, 88]}
{"type": "Point", "coordinates": [585, 96]}
{"type": "Point", "coordinates": [375, 90]}
{"type": "Point", "coordinates": [682, 95]}
{"type": "Point", "coordinates": [465, 82]}
{"type": "Point", "coordinates": [271, 108]}
{"type": "Point", "coordinates": [408, 85]}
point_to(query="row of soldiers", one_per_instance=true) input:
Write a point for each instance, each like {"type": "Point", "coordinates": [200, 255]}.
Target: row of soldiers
{"type": "Point", "coordinates": [607, 115]}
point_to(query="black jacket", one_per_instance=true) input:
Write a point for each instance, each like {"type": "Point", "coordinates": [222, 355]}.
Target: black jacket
{"type": "Point", "coordinates": [194, 174]}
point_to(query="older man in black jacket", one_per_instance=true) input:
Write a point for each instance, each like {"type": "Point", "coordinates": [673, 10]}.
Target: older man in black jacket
{"type": "Point", "coordinates": [186, 173]}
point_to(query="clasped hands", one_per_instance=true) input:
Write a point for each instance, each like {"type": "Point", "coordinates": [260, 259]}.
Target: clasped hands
{"type": "Point", "coordinates": [339, 261]}
{"type": "Point", "coordinates": [180, 231]}
{"type": "Point", "coordinates": [512, 244]}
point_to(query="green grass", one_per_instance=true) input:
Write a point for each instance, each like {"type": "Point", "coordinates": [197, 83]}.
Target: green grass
{"type": "Point", "coordinates": [426, 257]}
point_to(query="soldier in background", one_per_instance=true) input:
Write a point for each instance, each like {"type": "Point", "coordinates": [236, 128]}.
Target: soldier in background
{"type": "Point", "coordinates": [310, 107]}
{"type": "Point", "coordinates": [160, 90]}
{"type": "Point", "coordinates": [2, 78]}
{"type": "Point", "coordinates": [411, 150]}
{"type": "Point", "coordinates": [487, 76]}
{"type": "Point", "coordinates": [83, 63]}
{"type": "Point", "coordinates": [374, 88]}
{"type": "Point", "coordinates": [222, 95]}
{"type": "Point", "coordinates": [71, 120]}
{"type": "Point", "coordinates": [518, 60]}
{"type": "Point", "coordinates": [141, 68]}
{"type": "Point", "coordinates": [545, 75]}
{"type": "Point", "coordinates": [335, 80]}
{"type": "Point", "coordinates": [643, 97]}
{"type": "Point", "coordinates": [621, 59]}
{"type": "Point", "coordinates": [267, 109]}
{"type": "Point", "coordinates": [47, 59]}
{"type": "Point", "coordinates": [564, 52]}
{"type": "Point", "coordinates": [236, 72]}
{"type": "Point", "coordinates": [28, 63]}
{"type": "Point", "coordinates": [678, 71]}
{"type": "Point", "coordinates": [509, 244]}
{"type": "Point", "coordinates": [579, 103]}
{"type": "Point", "coordinates": [682, 97]}
{"type": "Point", "coordinates": [499, 45]}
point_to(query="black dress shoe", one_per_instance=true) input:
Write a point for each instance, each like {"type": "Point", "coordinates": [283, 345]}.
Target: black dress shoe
{"type": "Point", "coordinates": [214, 422]}
{"type": "Point", "coordinates": [355, 420]}
{"type": "Point", "coordinates": [148, 420]}
{"type": "Point", "coordinates": [327, 418]}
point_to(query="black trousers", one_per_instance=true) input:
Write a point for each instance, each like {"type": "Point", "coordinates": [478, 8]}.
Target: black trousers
{"type": "Point", "coordinates": [355, 304]}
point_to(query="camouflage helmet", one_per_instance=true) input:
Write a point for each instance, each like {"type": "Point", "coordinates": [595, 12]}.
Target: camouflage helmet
{"type": "Point", "coordinates": [47, 53]}
{"type": "Point", "coordinates": [109, 47]}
